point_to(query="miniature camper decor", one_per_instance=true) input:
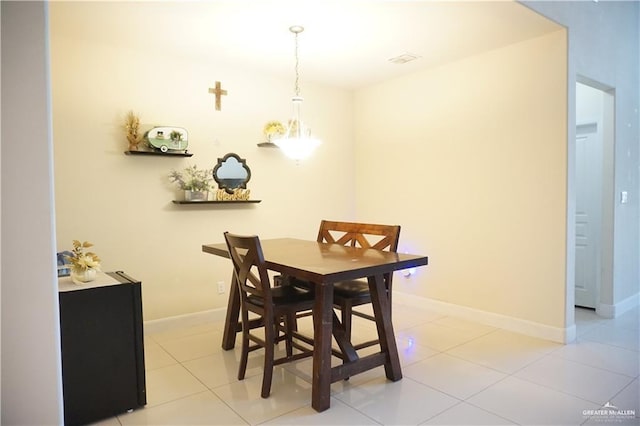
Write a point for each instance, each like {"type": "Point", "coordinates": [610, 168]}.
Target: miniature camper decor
{"type": "Point", "coordinates": [167, 139]}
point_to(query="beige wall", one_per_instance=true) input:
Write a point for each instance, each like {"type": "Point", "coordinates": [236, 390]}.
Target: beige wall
{"type": "Point", "coordinates": [470, 158]}
{"type": "Point", "coordinates": [123, 203]}
{"type": "Point", "coordinates": [479, 158]}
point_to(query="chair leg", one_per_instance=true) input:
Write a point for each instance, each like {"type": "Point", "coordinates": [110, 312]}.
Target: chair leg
{"type": "Point", "coordinates": [267, 374]}
{"type": "Point", "coordinates": [347, 311]}
{"type": "Point", "coordinates": [289, 326]}
{"type": "Point", "coordinates": [244, 356]}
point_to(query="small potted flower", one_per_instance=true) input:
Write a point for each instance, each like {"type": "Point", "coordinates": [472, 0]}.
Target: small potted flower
{"type": "Point", "coordinates": [273, 129]}
{"type": "Point", "coordinates": [84, 265]}
{"type": "Point", "coordinates": [195, 182]}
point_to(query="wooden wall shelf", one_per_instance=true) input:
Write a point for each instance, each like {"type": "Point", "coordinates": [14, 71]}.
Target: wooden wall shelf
{"type": "Point", "coordinates": [159, 153]}
{"type": "Point", "coordinates": [217, 202]}
{"type": "Point", "coordinates": [267, 145]}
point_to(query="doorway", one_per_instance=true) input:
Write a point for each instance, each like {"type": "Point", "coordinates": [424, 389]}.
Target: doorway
{"type": "Point", "coordinates": [594, 193]}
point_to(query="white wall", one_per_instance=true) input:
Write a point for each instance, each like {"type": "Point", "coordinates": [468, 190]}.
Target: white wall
{"type": "Point", "coordinates": [31, 371]}
{"type": "Point", "coordinates": [604, 39]}
{"type": "Point", "coordinates": [473, 166]}
{"type": "Point", "coordinates": [122, 204]}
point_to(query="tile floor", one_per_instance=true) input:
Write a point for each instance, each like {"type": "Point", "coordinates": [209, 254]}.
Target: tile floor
{"type": "Point", "coordinates": [455, 373]}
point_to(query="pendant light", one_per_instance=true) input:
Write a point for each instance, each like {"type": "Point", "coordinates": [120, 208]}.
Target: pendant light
{"type": "Point", "coordinates": [296, 142]}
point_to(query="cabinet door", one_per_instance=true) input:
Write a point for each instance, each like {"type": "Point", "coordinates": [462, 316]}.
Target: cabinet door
{"type": "Point", "coordinates": [100, 357]}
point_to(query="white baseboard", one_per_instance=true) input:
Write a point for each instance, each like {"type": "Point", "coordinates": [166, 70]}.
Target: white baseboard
{"type": "Point", "coordinates": [518, 325]}
{"type": "Point", "coordinates": [186, 320]}
{"type": "Point", "coordinates": [617, 309]}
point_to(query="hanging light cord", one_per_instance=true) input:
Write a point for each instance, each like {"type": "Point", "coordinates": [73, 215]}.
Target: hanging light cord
{"type": "Point", "coordinates": [297, 29]}
{"type": "Point", "coordinates": [297, 88]}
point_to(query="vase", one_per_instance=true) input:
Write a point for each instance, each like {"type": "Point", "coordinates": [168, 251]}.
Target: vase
{"type": "Point", "coordinates": [85, 276]}
{"type": "Point", "coordinates": [196, 195]}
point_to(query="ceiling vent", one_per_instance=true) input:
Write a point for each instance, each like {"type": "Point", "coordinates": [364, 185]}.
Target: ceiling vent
{"type": "Point", "coordinates": [404, 58]}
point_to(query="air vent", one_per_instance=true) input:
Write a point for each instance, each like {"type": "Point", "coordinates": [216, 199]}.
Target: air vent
{"type": "Point", "coordinates": [404, 58]}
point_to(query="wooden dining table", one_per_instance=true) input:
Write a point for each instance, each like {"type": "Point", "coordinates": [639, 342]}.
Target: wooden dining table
{"type": "Point", "coordinates": [323, 265]}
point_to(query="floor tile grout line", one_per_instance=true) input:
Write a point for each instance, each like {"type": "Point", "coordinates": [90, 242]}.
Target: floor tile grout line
{"type": "Point", "coordinates": [456, 345]}
{"type": "Point", "coordinates": [471, 340]}
{"type": "Point", "coordinates": [567, 393]}
{"type": "Point", "coordinates": [611, 344]}
{"type": "Point", "coordinates": [623, 389]}
{"type": "Point", "coordinates": [182, 336]}
{"type": "Point", "coordinates": [478, 364]}
{"type": "Point", "coordinates": [424, 422]}
{"type": "Point", "coordinates": [212, 390]}
{"type": "Point", "coordinates": [491, 412]}
{"type": "Point", "coordinates": [182, 397]}
{"type": "Point", "coordinates": [594, 366]}
{"type": "Point", "coordinates": [169, 354]}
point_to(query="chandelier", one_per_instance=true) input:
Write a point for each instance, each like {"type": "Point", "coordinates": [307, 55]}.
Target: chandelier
{"type": "Point", "coordinates": [297, 142]}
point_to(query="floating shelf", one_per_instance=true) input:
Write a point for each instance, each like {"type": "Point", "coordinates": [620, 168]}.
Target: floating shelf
{"type": "Point", "coordinates": [159, 153]}
{"type": "Point", "coordinates": [267, 145]}
{"type": "Point", "coordinates": [217, 202]}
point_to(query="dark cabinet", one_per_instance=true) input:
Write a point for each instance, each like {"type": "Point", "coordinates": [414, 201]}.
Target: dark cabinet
{"type": "Point", "coordinates": [102, 347]}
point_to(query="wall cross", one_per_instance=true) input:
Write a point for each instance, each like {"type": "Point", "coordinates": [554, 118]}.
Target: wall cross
{"type": "Point", "coordinates": [219, 93]}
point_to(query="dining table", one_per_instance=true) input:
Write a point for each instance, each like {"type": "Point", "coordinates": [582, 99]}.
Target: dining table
{"type": "Point", "coordinates": [324, 264]}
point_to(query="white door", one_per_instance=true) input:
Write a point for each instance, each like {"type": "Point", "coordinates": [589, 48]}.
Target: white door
{"type": "Point", "coordinates": [588, 213]}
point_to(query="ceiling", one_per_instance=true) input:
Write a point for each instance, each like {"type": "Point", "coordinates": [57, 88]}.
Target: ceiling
{"type": "Point", "coordinates": [346, 43]}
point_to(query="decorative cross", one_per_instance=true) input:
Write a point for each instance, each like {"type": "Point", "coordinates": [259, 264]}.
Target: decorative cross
{"type": "Point", "coordinates": [218, 92]}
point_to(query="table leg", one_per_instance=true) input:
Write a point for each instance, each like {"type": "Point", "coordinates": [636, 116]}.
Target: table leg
{"type": "Point", "coordinates": [233, 312]}
{"type": "Point", "coordinates": [322, 325]}
{"type": "Point", "coordinates": [382, 313]}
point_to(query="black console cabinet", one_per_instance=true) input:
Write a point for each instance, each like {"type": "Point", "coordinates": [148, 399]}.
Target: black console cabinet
{"type": "Point", "coordinates": [102, 348]}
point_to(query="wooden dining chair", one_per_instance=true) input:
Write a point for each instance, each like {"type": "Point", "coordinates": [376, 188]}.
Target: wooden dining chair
{"type": "Point", "coordinates": [271, 304]}
{"type": "Point", "coordinates": [348, 294]}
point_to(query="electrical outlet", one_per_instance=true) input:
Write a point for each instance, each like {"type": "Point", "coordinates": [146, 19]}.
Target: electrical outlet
{"type": "Point", "coordinates": [220, 287]}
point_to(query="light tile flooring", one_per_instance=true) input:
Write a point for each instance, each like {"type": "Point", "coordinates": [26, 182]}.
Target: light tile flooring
{"type": "Point", "coordinates": [455, 373]}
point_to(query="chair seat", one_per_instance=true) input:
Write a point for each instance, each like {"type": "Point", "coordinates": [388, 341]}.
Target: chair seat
{"type": "Point", "coordinates": [351, 288]}
{"type": "Point", "coordinates": [285, 295]}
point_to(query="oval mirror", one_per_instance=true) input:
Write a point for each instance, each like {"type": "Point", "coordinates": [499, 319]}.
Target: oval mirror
{"type": "Point", "coordinates": [231, 172]}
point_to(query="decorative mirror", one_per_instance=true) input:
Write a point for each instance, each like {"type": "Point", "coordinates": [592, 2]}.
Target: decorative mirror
{"type": "Point", "coordinates": [231, 173]}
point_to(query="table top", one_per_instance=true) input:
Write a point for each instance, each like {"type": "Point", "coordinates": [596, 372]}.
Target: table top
{"type": "Point", "coordinates": [325, 263]}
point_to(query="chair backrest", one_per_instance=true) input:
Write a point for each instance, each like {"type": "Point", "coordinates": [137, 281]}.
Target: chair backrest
{"type": "Point", "coordinates": [365, 235]}
{"type": "Point", "coordinates": [246, 255]}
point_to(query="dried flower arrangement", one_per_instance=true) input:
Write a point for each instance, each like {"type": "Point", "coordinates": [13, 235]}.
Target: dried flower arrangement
{"type": "Point", "coordinates": [132, 127]}
{"type": "Point", "coordinates": [81, 261]}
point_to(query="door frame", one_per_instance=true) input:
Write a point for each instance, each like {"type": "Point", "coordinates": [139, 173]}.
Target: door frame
{"type": "Point", "coordinates": [606, 288]}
